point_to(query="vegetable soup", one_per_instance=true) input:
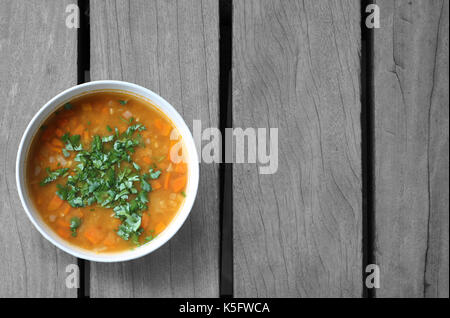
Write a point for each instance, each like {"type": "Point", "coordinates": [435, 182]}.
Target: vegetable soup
{"type": "Point", "coordinates": [106, 171]}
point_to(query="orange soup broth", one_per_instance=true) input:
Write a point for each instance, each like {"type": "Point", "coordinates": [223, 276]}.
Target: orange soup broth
{"type": "Point", "coordinates": [90, 115]}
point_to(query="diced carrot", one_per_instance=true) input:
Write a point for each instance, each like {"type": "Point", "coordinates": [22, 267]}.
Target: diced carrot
{"type": "Point", "coordinates": [62, 123]}
{"type": "Point", "coordinates": [63, 232]}
{"type": "Point", "coordinates": [147, 160]}
{"type": "Point", "coordinates": [178, 183]}
{"type": "Point", "coordinates": [63, 223]}
{"type": "Point", "coordinates": [158, 123]}
{"type": "Point", "coordinates": [156, 185]}
{"type": "Point", "coordinates": [78, 213]}
{"type": "Point", "coordinates": [122, 128]}
{"type": "Point", "coordinates": [110, 240]}
{"type": "Point", "coordinates": [53, 148]}
{"type": "Point", "coordinates": [181, 168]}
{"type": "Point", "coordinates": [115, 223]}
{"type": "Point", "coordinates": [78, 130]}
{"type": "Point", "coordinates": [59, 132]}
{"type": "Point", "coordinates": [55, 203]}
{"type": "Point", "coordinates": [65, 209]}
{"type": "Point", "coordinates": [94, 235]}
{"type": "Point", "coordinates": [54, 165]}
{"type": "Point", "coordinates": [86, 136]}
{"type": "Point", "coordinates": [86, 107]}
{"type": "Point", "coordinates": [163, 165]}
{"type": "Point", "coordinates": [159, 227]}
{"type": "Point", "coordinates": [145, 134]}
{"type": "Point", "coordinates": [97, 106]}
{"type": "Point", "coordinates": [145, 220]}
{"type": "Point", "coordinates": [166, 181]}
{"type": "Point", "coordinates": [57, 142]}
{"type": "Point", "coordinates": [166, 131]}
{"type": "Point", "coordinates": [163, 128]}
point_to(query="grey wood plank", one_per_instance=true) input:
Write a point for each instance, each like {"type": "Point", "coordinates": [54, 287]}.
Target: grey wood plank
{"type": "Point", "coordinates": [411, 148]}
{"type": "Point", "coordinates": [170, 47]}
{"type": "Point", "coordinates": [298, 232]}
{"type": "Point", "coordinates": [38, 60]}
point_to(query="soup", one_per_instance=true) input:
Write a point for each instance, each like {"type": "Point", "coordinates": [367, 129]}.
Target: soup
{"type": "Point", "coordinates": [106, 171]}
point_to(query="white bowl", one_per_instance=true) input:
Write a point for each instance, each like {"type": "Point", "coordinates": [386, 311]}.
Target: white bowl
{"type": "Point", "coordinates": [57, 102]}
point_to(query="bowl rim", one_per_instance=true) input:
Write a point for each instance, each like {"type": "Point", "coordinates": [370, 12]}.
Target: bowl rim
{"type": "Point", "coordinates": [160, 104]}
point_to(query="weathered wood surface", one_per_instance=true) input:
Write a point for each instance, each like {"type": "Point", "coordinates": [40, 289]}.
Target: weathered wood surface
{"type": "Point", "coordinates": [298, 232]}
{"type": "Point", "coordinates": [38, 60]}
{"type": "Point", "coordinates": [411, 78]}
{"type": "Point", "coordinates": [170, 47]}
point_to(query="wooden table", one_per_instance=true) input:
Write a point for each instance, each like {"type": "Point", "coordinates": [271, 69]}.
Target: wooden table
{"type": "Point", "coordinates": [363, 121]}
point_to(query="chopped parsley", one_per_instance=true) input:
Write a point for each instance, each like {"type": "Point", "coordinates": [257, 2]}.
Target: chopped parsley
{"type": "Point", "coordinates": [123, 102]}
{"type": "Point", "coordinates": [105, 175]}
{"type": "Point", "coordinates": [128, 122]}
{"type": "Point", "coordinates": [72, 142]}
{"type": "Point", "coordinates": [65, 152]}
{"type": "Point", "coordinates": [53, 175]}
{"type": "Point", "coordinates": [154, 174]}
{"type": "Point", "coordinates": [75, 223]}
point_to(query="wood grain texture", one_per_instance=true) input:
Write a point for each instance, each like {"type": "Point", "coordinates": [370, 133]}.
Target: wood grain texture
{"type": "Point", "coordinates": [411, 148]}
{"type": "Point", "coordinates": [170, 47]}
{"type": "Point", "coordinates": [38, 60]}
{"type": "Point", "coordinates": [298, 232]}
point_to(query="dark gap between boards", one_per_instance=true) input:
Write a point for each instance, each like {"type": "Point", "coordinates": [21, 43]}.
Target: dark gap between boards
{"type": "Point", "coordinates": [83, 76]}
{"type": "Point", "coordinates": [226, 169]}
{"type": "Point", "coordinates": [367, 146]}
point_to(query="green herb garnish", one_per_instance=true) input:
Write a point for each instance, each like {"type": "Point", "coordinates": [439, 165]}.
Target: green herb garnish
{"type": "Point", "coordinates": [105, 175]}
{"type": "Point", "coordinates": [136, 166]}
{"type": "Point", "coordinates": [123, 102]}
{"type": "Point", "coordinates": [65, 153]}
{"type": "Point", "coordinates": [148, 238]}
{"type": "Point", "coordinates": [75, 223]}
{"type": "Point", "coordinates": [53, 175]}
{"type": "Point", "coordinates": [68, 106]}
{"type": "Point", "coordinates": [72, 142]}
{"type": "Point", "coordinates": [154, 174]}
